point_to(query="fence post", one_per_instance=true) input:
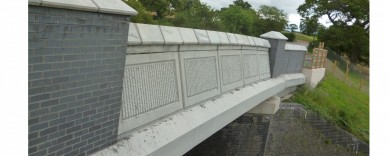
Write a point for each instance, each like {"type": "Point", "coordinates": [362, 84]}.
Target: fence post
{"type": "Point", "coordinates": [361, 84]}
{"type": "Point", "coordinates": [334, 66]}
{"type": "Point", "coordinates": [347, 72]}
{"type": "Point", "coordinates": [312, 59]}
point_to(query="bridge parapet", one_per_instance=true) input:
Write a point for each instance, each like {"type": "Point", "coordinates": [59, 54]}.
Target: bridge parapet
{"type": "Point", "coordinates": [170, 68]}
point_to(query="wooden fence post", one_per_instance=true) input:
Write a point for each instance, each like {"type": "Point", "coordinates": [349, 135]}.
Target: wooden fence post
{"type": "Point", "coordinates": [361, 84]}
{"type": "Point", "coordinates": [347, 72]}
{"type": "Point", "coordinates": [334, 66]}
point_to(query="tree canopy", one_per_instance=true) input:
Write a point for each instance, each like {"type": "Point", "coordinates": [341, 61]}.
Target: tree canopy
{"type": "Point", "coordinates": [239, 17]}
{"type": "Point", "coordinates": [349, 32]}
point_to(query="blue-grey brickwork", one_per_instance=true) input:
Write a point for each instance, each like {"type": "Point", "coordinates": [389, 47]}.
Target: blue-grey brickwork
{"type": "Point", "coordinates": [282, 61]}
{"type": "Point", "coordinates": [76, 65]}
{"type": "Point", "coordinates": [295, 61]}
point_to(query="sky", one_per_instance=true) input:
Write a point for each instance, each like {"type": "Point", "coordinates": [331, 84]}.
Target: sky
{"type": "Point", "coordinates": [288, 6]}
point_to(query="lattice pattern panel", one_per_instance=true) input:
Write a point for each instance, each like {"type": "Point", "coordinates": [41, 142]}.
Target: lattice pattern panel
{"type": "Point", "coordinates": [148, 86]}
{"type": "Point", "coordinates": [250, 66]}
{"type": "Point", "coordinates": [231, 69]}
{"type": "Point", "coordinates": [200, 75]}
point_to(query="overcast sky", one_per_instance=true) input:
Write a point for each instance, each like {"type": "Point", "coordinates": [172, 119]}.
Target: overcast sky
{"type": "Point", "coordinates": [288, 6]}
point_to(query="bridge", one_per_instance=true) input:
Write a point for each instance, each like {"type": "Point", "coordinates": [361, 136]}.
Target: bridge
{"type": "Point", "coordinates": [101, 85]}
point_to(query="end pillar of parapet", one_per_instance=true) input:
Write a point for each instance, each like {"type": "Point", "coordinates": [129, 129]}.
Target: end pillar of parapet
{"type": "Point", "coordinates": [277, 58]}
{"type": "Point", "coordinates": [269, 106]}
{"type": "Point", "coordinates": [313, 76]}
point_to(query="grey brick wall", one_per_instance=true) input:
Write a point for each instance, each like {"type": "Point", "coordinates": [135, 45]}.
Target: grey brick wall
{"type": "Point", "coordinates": [76, 65]}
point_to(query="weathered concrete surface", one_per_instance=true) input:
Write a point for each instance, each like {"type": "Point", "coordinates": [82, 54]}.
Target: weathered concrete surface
{"type": "Point", "coordinates": [296, 131]}
{"type": "Point", "coordinates": [269, 106]}
{"type": "Point", "coordinates": [313, 76]}
{"type": "Point", "coordinates": [179, 132]}
{"type": "Point", "coordinates": [246, 135]}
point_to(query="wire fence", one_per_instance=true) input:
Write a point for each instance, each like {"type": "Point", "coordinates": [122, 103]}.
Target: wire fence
{"type": "Point", "coordinates": [356, 75]}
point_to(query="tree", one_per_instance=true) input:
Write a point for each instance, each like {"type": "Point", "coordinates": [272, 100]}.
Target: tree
{"type": "Point", "coordinates": [270, 19]}
{"type": "Point", "coordinates": [238, 20]}
{"type": "Point", "coordinates": [143, 16]}
{"type": "Point", "coordinates": [292, 27]}
{"type": "Point", "coordinates": [309, 26]}
{"type": "Point", "coordinates": [242, 3]}
{"type": "Point", "coordinates": [350, 19]}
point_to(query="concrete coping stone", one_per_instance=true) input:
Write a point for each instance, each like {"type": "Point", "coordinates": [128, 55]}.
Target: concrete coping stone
{"type": "Point", "coordinates": [202, 36]}
{"type": "Point", "coordinates": [150, 34]}
{"type": "Point", "coordinates": [103, 6]}
{"type": "Point", "coordinates": [214, 37]}
{"type": "Point", "coordinates": [257, 41]}
{"type": "Point", "coordinates": [188, 36]}
{"type": "Point", "coordinates": [230, 47]}
{"type": "Point", "coordinates": [223, 38]}
{"type": "Point", "coordinates": [240, 39]}
{"type": "Point", "coordinates": [251, 41]}
{"type": "Point", "coordinates": [133, 36]}
{"type": "Point", "coordinates": [171, 35]}
{"type": "Point", "coordinates": [274, 35]}
{"type": "Point", "coordinates": [264, 43]}
{"type": "Point", "coordinates": [294, 47]}
{"type": "Point", "coordinates": [232, 38]}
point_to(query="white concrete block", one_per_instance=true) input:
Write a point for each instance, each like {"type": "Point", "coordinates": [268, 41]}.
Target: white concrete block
{"type": "Point", "coordinates": [264, 43]}
{"type": "Point", "coordinates": [188, 36]}
{"type": "Point", "coordinates": [133, 37]}
{"type": "Point", "coordinates": [184, 48]}
{"type": "Point", "coordinates": [150, 34]}
{"type": "Point", "coordinates": [199, 71]}
{"type": "Point", "coordinates": [84, 5]}
{"type": "Point", "coordinates": [223, 37]}
{"type": "Point", "coordinates": [202, 36]}
{"type": "Point", "coordinates": [34, 2]}
{"type": "Point", "coordinates": [115, 7]}
{"type": "Point", "coordinates": [230, 69]}
{"type": "Point", "coordinates": [242, 39]}
{"type": "Point", "coordinates": [214, 37]}
{"type": "Point", "coordinates": [151, 89]}
{"type": "Point", "coordinates": [257, 41]}
{"type": "Point", "coordinates": [269, 106]}
{"type": "Point", "coordinates": [232, 38]}
{"type": "Point", "coordinates": [294, 47]}
{"type": "Point", "coordinates": [171, 35]}
{"type": "Point", "coordinates": [251, 41]}
{"type": "Point", "coordinates": [134, 49]}
{"type": "Point", "coordinates": [313, 76]}
{"type": "Point", "coordinates": [250, 65]}
{"type": "Point", "coordinates": [264, 65]}
{"type": "Point", "coordinates": [274, 35]}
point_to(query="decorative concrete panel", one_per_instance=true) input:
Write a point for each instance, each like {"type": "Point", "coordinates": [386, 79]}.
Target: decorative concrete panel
{"type": "Point", "coordinates": [199, 70]}
{"type": "Point", "coordinates": [264, 65]}
{"type": "Point", "coordinates": [150, 34]}
{"type": "Point", "coordinates": [148, 86]}
{"type": "Point", "coordinates": [223, 37]}
{"type": "Point", "coordinates": [133, 37]}
{"type": "Point", "coordinates": [231, 70]}
{"type": "Point", "coordinates": [250, 64]}
{"type": "Point", "coordinates": [202, 36]}
{"type": "Point", "coordinates": [171, 35]}
{"type": "Point", "coordinates": [151, 89]}
{"type": "Point", "coordinates": [214, 37]}
{"type": "Point", "coordinates": [232, 38]}
{"type": "Point", "coordinates": [188, 36]}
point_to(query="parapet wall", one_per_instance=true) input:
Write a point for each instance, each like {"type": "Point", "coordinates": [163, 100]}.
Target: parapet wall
{"type": "Point", "coordinates": [170, 68]}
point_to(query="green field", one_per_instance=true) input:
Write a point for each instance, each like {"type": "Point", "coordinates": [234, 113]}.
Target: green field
{"type": "Point", "coordinates": [303, 37]}
{"type": "Point", "coordinates": [339, 103]}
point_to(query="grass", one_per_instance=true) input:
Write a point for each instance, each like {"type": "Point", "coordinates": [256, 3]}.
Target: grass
{"type": "Point", "coordinates": [302, 37]}
{"type": "Point", "coordinates": [337, 102]}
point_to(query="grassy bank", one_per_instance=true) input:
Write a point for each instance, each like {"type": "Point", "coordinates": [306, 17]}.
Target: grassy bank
{"type": "Point", "coordinates": [302, 37]}
{"type": "Point", "coordinates": [337, 102]}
